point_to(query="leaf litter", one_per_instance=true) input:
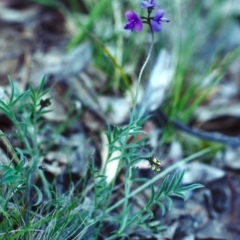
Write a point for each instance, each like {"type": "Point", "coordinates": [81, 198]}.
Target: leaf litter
{"type": "Point", "coordinates": [31, 50]}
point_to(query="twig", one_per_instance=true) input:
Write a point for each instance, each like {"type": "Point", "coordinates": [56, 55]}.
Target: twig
{"type": "Point", "coordinates": [209, 136]}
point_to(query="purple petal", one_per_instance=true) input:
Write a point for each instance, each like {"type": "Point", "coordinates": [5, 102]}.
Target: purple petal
{"type": "Point", "coordinates": [134, 22]}
{"type": "Point", "coordinates": [145, 4]}
{"type": "Point", "coordinates": [153, 2]}
{"type": "Point", "coordinates": [156, 26]}
{"type": "Point", "coordinates": [138, 26]}
{"type": "Point", "coordinates": [128, 26]}
{"type": "Point", "coordinates": [148, 4]}
{"type": "Point", "coordinates": [159, 14]}
{"type": "Point", "coordinates": [131, 15]}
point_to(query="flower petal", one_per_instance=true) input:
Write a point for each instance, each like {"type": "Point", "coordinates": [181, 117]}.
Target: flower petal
{"type": "Point", "coordinates": [138, 26]}
{"type": "Point", "coordinates": [156, 26]}
{"type": "Point", "coordinates": [165, 19]}
{"type": "Point", "coordinates": [134, 22]}
{"type": "Point", "coordinates": [145, 4]}
{"type": "Point", "coordinates": [131, 15]}
{"type": "Point", "coordinates": [128, 26]}
{"type": "Point", "coordinates": [159, 14]}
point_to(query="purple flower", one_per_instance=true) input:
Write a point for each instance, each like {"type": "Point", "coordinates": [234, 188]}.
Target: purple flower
{"type": "Point", "coordinates": [148, 4]}
{"type": "Point", "coordinates": [134, 22]}
{"type": "Point", "coordinates": [157, 20]}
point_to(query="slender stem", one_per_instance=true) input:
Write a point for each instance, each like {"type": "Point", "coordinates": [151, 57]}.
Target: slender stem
{"type": "Point", "coordinates": [129, 172]}
{"type": "Point", "coordinates": [127, 188]}
{"type": "Point", "coordinates": [33, 151]}
{"type": "Point", "coordinates": [140, 77]}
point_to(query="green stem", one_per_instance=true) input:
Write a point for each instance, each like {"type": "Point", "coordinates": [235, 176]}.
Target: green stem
{"type": "Point", "coordinates": [140, 77]}
{"type": "Point", "coordinates": [127, 188]}
{"type": "Point", "coordinates": [129, 172]}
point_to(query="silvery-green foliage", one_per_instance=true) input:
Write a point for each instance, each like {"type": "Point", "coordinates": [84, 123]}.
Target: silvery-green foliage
{"type": "Point", "coordinates": [169, 188]}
